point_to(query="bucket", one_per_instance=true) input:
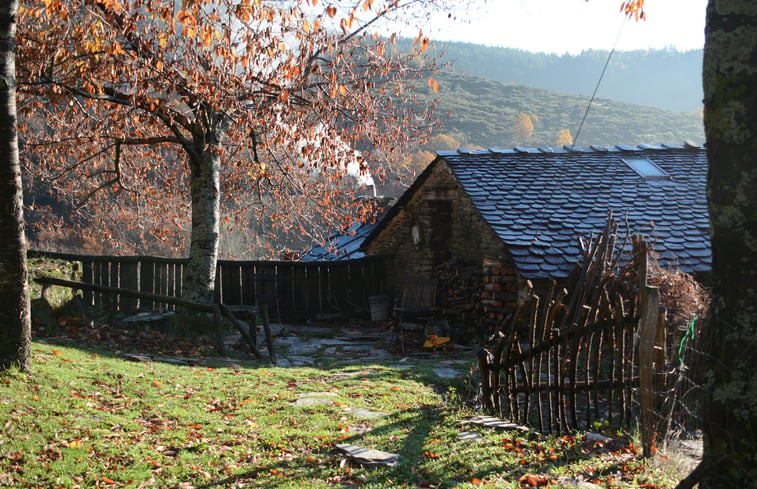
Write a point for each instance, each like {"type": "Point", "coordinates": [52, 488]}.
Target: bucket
{"type": "Point", "coordinates": [381, 306]}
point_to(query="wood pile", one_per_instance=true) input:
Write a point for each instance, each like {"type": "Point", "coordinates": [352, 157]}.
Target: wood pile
{"type": "Point", "coordinates": [500, 293]}
{"type": "Point", "coordinates": [460, 286]}
{"type": "Point", "coordinates": [477, 298]}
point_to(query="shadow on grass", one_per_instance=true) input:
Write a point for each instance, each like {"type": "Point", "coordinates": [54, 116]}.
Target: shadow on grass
{"type": "Point", "coordinates": [114, 342]}
{"type": "Point", "coordinates": [330, 466]}
{"type": "Point", "coordinates": [411, 433]}
{"type": "Point", "coordinates": [418, 467]}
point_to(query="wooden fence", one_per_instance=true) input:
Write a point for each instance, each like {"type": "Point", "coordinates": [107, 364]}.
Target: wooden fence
{"type": "Point", "coordinates": [567, 360]}
{"type": "Point", "coordinates": [291, 290]}
{"type": "Point", "coordinates": [559, 382]}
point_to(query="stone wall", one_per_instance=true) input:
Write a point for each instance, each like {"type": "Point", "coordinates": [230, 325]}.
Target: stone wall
{"type": "Point", "coordinates": [452, 244]}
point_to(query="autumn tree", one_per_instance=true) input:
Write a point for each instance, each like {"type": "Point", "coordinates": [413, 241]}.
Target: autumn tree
{"type": "Point", "coordinates": [523, 130]}
{"type": "Point", "coordinates": [15, 326]}
{"type": "Point", "coordinates": [563, 137]}
{"type": "Point", "coordinates": [442, 142]}
{"type": "Point", "coordinates": [170, 109]}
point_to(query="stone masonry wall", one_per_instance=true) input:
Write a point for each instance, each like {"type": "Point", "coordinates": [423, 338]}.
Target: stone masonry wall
{"type": "Point", "coordinates": [453, 236]}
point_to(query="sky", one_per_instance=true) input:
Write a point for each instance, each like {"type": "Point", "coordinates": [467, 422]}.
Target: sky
{"type": "Point", "coordinates": [571, 26]}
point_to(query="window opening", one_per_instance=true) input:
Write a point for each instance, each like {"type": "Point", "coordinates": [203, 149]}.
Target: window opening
{"type": "Point", "coordinates": [646, 168]}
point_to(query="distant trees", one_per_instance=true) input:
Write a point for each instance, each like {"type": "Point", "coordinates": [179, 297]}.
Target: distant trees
{"type": "Point", "coordinates": [144, 113]}
{"type": "Point", "coordinates": [442, 142]}
{"type": "Point", "coordinates": [417, 160]}
{"type": "Point", "coordinates": [674, 74]}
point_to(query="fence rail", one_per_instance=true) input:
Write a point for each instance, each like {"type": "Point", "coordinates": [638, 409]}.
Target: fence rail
{"type": "Point", "coordinates": [291, 290]}
{"type": "Point", "coordinates": [579, 377]}
{"type": "Point", "coordinates": [569, 357]}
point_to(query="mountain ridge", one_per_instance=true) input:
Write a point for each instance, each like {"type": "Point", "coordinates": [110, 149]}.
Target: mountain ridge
{"type": "Point", "coordinates": [666, 78]}
{"type": "Point", "coordinates": [487, 113]}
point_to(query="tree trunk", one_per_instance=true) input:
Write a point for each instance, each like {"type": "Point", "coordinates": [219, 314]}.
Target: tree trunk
{"type": "Point", "coordinates": [15, 324]}
{"type": "Point", "coordinates": [730, 87]}
{"type": "Point", "coordinates": [199, 280]}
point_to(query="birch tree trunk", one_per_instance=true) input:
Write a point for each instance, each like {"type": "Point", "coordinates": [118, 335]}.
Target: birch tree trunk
{"type": "Point", "coordinates": [15, 324]}
{"type": "Point", "coordinates": [205, 165]}
{"type": "Point", "coordinates": [730, 87]}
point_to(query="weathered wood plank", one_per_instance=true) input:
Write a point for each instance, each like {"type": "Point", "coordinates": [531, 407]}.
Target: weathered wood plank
{"type": "Point", "coordinates": [299, 292]}
{"type": "Point", "coordinates": [230, 284]}
{"type": "Point", "coordinates": [284, 292]}
{"type": "Point", "coordinates": [128, 279]}
{"type": "Point", "coordinates": [147, 283]}
{"type": "Point", "coordinates": [647, 342]}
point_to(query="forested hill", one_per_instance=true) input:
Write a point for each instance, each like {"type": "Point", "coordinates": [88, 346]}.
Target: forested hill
{"type": "Point", "coordinates": [486, 113]}
{"type": "Point", "coordinates": [667, 79]}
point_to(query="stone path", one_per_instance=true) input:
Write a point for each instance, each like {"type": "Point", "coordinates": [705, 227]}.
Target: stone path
{"type": "Point", "coordinates": [314, 398]}
{"type": "Point", "coordinates": [318, 346]}
{"type": "Point", "coordinates": [492, 422]}
{"type": "Point", "coordinates": [326, 347]}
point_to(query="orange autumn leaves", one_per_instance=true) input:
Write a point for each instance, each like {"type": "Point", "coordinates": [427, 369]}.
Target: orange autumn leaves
{"type": "Point", "coordinates": [424, 41]}
{"type": "Point", "coordinates": [633, 8]}
{"type": "Point", "coordinates": [264, 87]}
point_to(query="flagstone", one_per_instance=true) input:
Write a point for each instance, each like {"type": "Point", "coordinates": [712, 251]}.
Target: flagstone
{"type": "Point", "coordinates": [367, 456]}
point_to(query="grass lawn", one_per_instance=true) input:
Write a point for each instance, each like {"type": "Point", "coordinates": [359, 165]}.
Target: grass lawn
{"type": "Point", "coordinates": [89, 418]}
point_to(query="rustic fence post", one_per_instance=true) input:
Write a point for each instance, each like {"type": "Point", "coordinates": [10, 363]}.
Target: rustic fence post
{"type": "Point", "coordinates": [648, 334]}
{"type": "Point", "coordinates": [485, 359]}
{"type": "Point", "coordinates": [267, 328]}
{"type": "Point", "coordinates": [218, 320]}
{"type": "Point", "coordinates": [660, 360]}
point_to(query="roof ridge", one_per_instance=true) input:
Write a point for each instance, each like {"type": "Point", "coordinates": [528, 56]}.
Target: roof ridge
{"type": "Point", "coordinates": [568, 148]}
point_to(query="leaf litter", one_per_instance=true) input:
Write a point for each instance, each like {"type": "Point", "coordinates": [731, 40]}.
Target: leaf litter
{"type": "Point", "coordinates": [106, 422]}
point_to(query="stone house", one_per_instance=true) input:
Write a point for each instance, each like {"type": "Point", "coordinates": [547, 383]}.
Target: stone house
{"type": "Point", "coordinates": [482, 222]}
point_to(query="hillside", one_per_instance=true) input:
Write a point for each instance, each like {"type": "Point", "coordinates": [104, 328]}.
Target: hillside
{"type": "Point", "coordinates": [487, 113]}
{"type": "Point", "coordinates": [667, 79]}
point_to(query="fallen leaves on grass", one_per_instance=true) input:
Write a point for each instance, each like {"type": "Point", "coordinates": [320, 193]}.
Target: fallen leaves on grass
{"type": "Point", "coordinates": [111, 338]}
{"type": "Point", "coordinates": [533, 480]}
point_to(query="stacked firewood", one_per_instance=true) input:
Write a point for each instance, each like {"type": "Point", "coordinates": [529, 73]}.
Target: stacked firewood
{"type": "Point", "coordinates": [460, 288]}
{"type": "Point", "coordinates": [500, 293]}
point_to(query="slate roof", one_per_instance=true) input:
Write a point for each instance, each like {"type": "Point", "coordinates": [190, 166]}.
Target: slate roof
{"type": "Point", "coordinates": [539, 200]}
{"type": "Point", "coordinates": [341, 246]}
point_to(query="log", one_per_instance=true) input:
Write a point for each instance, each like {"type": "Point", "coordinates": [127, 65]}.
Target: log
{"type": "Point", "coordinates": [104, 289]}
{"type": "Point", "coordinates": [74, 284]}
{"type": "Point", "coordinates": [245, 334]}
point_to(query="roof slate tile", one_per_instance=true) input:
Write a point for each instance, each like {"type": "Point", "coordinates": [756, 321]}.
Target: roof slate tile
{"type": "Point", "coordinates": [558, 194]}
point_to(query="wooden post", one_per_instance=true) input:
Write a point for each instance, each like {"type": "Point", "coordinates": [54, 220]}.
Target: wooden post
{"type": "Point", "coordinates": [642, 257]}
{"type": "Point", "coordinates": [647, 342]}
{"type": "Point", "coordinates": [484, 359]}
{"type": "Point", "coordinates": [129, 280]}
{"type": "Point", "coordinates": [268, 337]}
{"type": "Point", "coordinates": [219, 329]}
{"type": "Point", "coordinates": [247, 335]}
{"type": "Point", "coordinates": [659, 359]}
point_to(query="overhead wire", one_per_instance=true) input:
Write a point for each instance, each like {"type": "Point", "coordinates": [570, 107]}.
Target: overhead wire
{"type": "Point", "coordinates": [601, 76]}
